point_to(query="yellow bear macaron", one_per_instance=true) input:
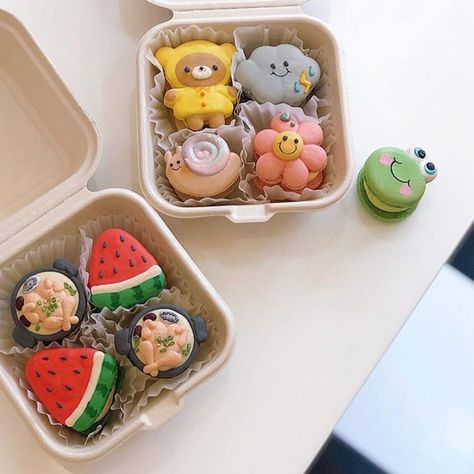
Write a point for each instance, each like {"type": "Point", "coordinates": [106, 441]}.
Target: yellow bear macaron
{"type": "Point", "coordinates": [199, 73]}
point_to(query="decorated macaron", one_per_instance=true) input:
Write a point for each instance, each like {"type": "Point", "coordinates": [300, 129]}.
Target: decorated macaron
{"type": "Point", "coordinates": [278, 74]}
{"type": "Point", "coordinates": [162, 340]}
{"type": "Point", "coordinates": [76, 386]}
{"type": "Point", "coordinates": [203, 167]}
{"type": "Point", "coordinates": [392, 182]}
{"type": "Point", "coordinates": [199, 75]}
{"type": "Point", "coordinates": [122, 272]}
{"type": "Point", "coordinates": [289, 154]}
{"type": "Point", "coordinates": [48, 304]}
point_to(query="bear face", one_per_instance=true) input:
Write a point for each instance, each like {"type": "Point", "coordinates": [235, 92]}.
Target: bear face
{"type": "Point", "coordinates": [197, 64]}
{"type": "Point", "coordinates": [200, 70]}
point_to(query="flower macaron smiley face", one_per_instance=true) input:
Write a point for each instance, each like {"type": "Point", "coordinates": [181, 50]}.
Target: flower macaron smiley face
{"type": "Point", "coordinates": [289, 154]}
{"type": "Point", "coordinates": [392, 181]}
{"type": "Point", "coordinates": [288, 146]}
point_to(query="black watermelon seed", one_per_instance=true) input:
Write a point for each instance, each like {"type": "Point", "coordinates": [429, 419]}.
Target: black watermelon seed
{"type": "Point", "coordinates": [122, 238]}
{"type": "Point", "coordinates": [117, 253]}
{"type": "Point", "coordinates": [101, 274]}
{"type": "Point", "coordinates": [131, 262]}
{"type": "Point", "coordinates": [115, 270]}
{"type": "Point", "coordinates": [83, 356]}
{"type": "Point", "coordinates": [102, 259]}
{"type": "Point", "coordinates": [37, 373]}
{"type": "Point", "coordinates": [144, 258]}
{"type": "Point", "coordinates": [49, 389]}
{"type": "Point", "coordinates": [63, 357]}
{"type": "Point", "coordinates": [133, 248]}
{"type": "Point", "coordinates": [77, 371]}
{"type": "Point", "coordinates": [59, 405]}
{"type": "Point", "coordinates": [52, 372]}
{"type": "Point", "coordinates": [19, 303]}
{"type": "Point", "coordinates": [68, 387]}
{"type": "Point", "coordinates": [25, 321]}
{"type": "Point", "coordinates": [45, 358]}
{"type": "Point", "coordinates": [137, 331]}
{"type": "Point", "coordinates": [151, 316]}
{"type": "Point", "coordinates": [104, 245]}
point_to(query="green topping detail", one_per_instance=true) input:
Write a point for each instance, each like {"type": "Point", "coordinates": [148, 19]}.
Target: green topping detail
{"type": "Point", "coordinates": [37, 327]}
{"type": "Point", "coordinates": [186, 350]}
{"type": "Point", "coordinates": [163, 350]}
{"type": "Point", "coordinates": [105, 385]}
{"type": "Point", "coordinates": [167, 341]}
{"type": "Point", "coordinates": [48, 307]}
{"type": "Point", "coordinates": [131, 296]}
{"type": "Point", "coordinates": [72, 291]}
{"type": "Point", "coordinates": [136, 343]}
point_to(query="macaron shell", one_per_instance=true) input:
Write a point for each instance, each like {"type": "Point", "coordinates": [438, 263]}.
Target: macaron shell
{"type": "Point", "coordinates": [223, 194]}
{"type": "Point", "coordinates": [375, 211]}
{"type": "Point", "coordinates": [189, 184]}
{"type": "Point", "coordinates": [389, 181]}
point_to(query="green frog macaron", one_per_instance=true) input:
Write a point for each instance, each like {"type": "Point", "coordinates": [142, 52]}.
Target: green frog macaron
{"type": "Point", "coordinates": [392, 182]}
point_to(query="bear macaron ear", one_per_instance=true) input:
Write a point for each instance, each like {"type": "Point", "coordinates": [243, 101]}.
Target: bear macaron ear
{"type": "Point", "coordinates": [229, 49]}
{"type": "Point", "coordinates": [163, 55]}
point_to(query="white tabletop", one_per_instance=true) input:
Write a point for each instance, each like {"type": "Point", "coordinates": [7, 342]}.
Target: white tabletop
{"type": "Point", "coordinates": [318, 297]}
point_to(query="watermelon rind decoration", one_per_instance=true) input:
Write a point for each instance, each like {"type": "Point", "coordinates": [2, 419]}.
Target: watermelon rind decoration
{"type": "Point", "coordinates": [122, 273]}
{"type": "Point", "coordinates": [76, 386]}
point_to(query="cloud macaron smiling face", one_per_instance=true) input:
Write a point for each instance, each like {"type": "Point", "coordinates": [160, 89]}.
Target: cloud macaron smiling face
{"type": "Point", "coordinates": [278, 74]}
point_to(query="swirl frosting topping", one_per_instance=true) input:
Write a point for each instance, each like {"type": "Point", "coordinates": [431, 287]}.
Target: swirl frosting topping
{"type": "Point", "coordinates": [205, 154]}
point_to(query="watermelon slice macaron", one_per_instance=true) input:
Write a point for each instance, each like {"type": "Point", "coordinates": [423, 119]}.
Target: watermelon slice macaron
{"type": "Point", "coordinates": [77, 386]}
{"type": "Point", "coordinates": [122, 272]}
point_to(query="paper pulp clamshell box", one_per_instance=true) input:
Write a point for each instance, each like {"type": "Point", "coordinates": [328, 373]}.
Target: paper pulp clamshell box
{"type": "Point", "coordinates": [49, 150]}
{"type": "Point", "coordinates": [227, 15]}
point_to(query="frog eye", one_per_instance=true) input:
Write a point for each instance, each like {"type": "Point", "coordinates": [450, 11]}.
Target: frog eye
{"type": "Point", "coordinates": [31, 283]}
{"type": "Point", "coordinates": [429, 171]}
{"type": "Point", "coordinates": [420, 153]}
{"type": "Point", "coordinates": [417, 153]}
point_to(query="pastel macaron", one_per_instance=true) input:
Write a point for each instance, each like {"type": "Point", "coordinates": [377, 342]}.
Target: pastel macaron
{"type": "Point", "coordinates": [392, 182]}
{"type": "Point", "coordinates": [203, 167]}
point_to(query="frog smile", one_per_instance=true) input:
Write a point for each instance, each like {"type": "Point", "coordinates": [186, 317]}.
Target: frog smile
{"type": "Point", "coordinates": [392, 170]}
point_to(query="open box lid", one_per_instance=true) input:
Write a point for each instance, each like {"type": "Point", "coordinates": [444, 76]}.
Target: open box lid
{"type": "Point", "coordinates": [49, 147]}
{"type": "Point", "coordinates": [183, 5]}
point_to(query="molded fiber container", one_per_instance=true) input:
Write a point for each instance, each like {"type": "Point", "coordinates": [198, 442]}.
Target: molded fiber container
{"type": "Point", "coordinates": [50, 148]}
{"type": "Point", "coordinates": [226, 15]}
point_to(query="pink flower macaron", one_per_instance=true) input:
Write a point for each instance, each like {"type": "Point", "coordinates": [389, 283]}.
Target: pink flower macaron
{"type": "Point", "coordinates": [289, 154]}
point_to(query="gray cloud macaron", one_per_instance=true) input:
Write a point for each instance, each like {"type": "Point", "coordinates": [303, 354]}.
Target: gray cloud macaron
{"type": "Point", "coordinates": [278, 74]}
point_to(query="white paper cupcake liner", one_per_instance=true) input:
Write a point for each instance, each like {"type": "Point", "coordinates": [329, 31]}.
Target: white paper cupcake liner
{"type": "Point", "coordinates": [257, 117]}
{"type": "Point", "coordinates": [246, 39]}
{"type": "Point", "coordinates": [239, 141]}
{"type": "Point", "coordinates": [99, 327]}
